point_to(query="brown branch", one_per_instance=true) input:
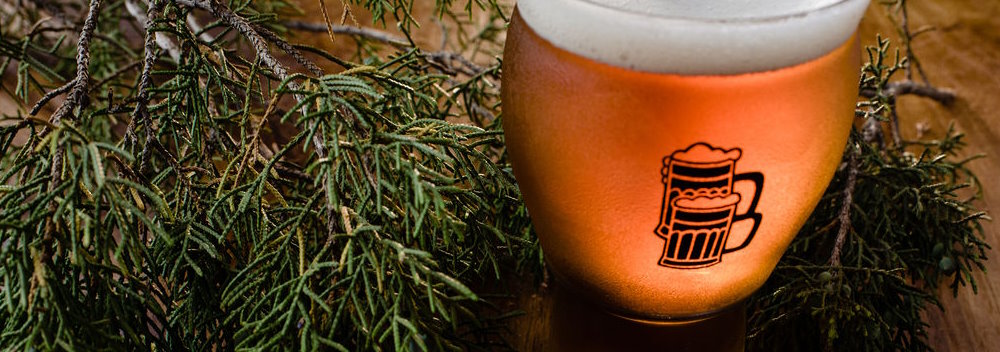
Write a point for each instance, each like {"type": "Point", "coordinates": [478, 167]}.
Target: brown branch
{"type": "Point", "coordinates": [149, 55]}
{"type": "Point", "coordinates": [78, 90]}
{"type": "Point", "coordinates": [292, 171]}
{"type": "Point", "coordinates": [48, 96]}
{"type": "Point", "coordinates": [479, 112]}
{"type": "Point", "coordinates": [942, 95]}
{"type": "Point", "coordinates": [908, 36]}
{"type": "Point", "coordinates": [892, 90]}
{"type": "Point", "coordinates": [448, 62]}
{"type": "Point", "coordinates": [141, 111]}
{"type": "Point", "coordinates": [896, 89]}
{"type": "Point", "coordinates": [257, 35]}
{"type": "Point", "coordinates": [75, 98]}
{"type": "Point", "coordinates": [907, 87]}
{"type": "Point", "coordinates": [445, 61]}
{"type": "Point", "coordinates": [844, 217]}
{"type": "Point", "coordinates": [246, 29]}
{"type": "Point", "coordinates": [897, 135]}
{"type": "Point", "coordinates": [288, 48]}
{"type": "Point", "coordinates": [366, 33]}
{"type": "Point", "coordinates": [326, 19]}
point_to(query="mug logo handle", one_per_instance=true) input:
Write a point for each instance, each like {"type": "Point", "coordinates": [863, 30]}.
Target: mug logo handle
{"type": "Point", "coordinates": [699, 205]}
{"type": "Point", "coordinates": [758, 181]}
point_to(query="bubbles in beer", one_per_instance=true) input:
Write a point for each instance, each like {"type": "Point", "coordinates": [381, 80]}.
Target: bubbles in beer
{"type": "Point", "coordinates": [695, 37]}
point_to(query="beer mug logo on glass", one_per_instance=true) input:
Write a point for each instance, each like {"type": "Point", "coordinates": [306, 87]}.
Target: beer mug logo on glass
{"type": "Point", "coordinates": [699, 205]}
{"type": "Point", "coordinates": [640, 133]}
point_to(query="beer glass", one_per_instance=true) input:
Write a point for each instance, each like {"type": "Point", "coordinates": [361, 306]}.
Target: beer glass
{"type": "Point", "coordinates": [668, 151]}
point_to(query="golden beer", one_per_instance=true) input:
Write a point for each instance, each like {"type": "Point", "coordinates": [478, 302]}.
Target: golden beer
{"type": "Point", "coordinates": [666, 182]}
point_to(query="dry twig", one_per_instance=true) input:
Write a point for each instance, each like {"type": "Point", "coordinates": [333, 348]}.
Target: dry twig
{"type": "Point", "coordinates": [366, 33]}
{"type": "Point", "coordinates": [844, 216]}
{"type": "Point", "coordinates": [77, 88]}
{"type": "Point", "coordinates": [145, 81]}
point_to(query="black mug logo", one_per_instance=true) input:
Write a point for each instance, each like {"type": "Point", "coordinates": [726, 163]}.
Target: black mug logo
{"type": "Point", "coordinates": [699, 206]}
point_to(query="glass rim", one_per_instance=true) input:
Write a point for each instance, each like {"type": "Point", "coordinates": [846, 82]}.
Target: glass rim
{"type": "Point", "coordinates": [687, 44]}
{"type": "Point", "coordinates": [731, 20]}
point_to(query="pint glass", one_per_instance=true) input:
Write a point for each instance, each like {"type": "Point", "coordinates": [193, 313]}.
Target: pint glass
{"type": "Point", "coordinates": [668, 151]}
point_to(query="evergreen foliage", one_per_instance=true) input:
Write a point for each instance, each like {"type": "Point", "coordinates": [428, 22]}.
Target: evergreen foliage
{"type": "Point", "coordinates": [214, 200]}
{"type": "Point", "coordinates": [186, 190]}
{"type": "Point", "coordinates": [897, 220]}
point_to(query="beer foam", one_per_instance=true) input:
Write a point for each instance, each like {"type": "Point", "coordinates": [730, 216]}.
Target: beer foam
{"type": "Point", "coordinates": [705, 154]}
{"type": "Point", "coordinates": [695, 37]}
{"type": "Point", "coordinates": [707, 203]}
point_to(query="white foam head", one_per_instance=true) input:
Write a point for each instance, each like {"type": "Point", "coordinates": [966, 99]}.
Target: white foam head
{"type": "Point", "coordinates": [695, 37]}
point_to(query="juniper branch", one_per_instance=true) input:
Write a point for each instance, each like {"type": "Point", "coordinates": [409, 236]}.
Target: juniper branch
{"type": "Point", "coordinates": [258, 42]}
{"type": "Point", "coordinates": [446, 62]}
{"type": "Point", "coordinates": [246, 29]}
{"type": "Point", "coordinates": [180, 225]}
{"type": "Point", "coordinates": [327, 21]}
{"type": "Point", "coordinates": [907, 87]}
{"type": "Point", "coordinates": [847, 203]}
{"type": "Point", "coordinates": [367, 33]}
{"type": "Point", "coordinates": [51, 94]}
{"type": "Point", "coordinates": [904, 29]}
{"type": "Point", "coordinates": [149, 57]}
{"type": "Point", "coordinates": [76, 95]}
{"type": "Point", "coordinates": [290, 49]}
{"type": "Point", "coordinates": [443, 60]}
{"type": "Point", "coordinates": [942, 95]}
{"type": "Point", "coordinates": [141, 111]}
{"type": "Point", "coordinates": [892, 211]}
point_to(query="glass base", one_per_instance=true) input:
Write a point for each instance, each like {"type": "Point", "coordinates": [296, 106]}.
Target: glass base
{"type": "Point", "coordinates": [580, 325]}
